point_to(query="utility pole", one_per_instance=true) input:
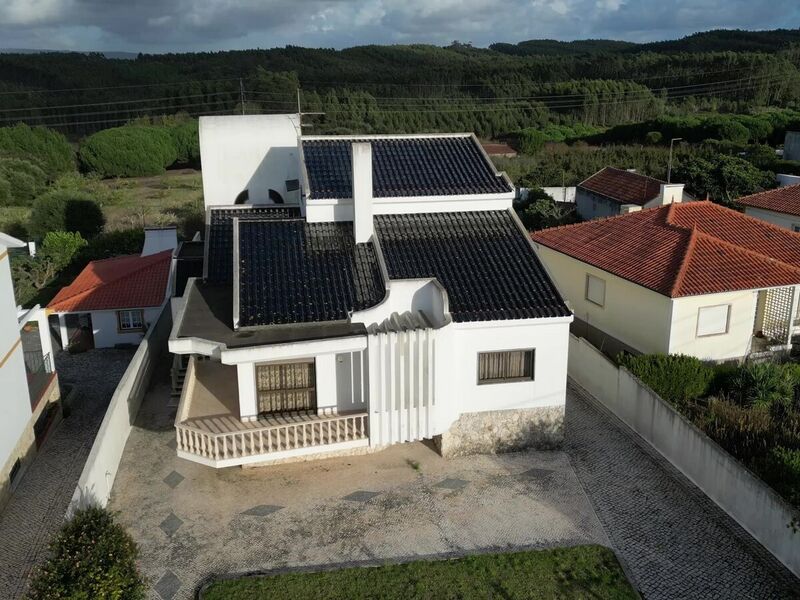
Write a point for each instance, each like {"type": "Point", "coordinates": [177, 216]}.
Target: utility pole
{"type": "Point", "coordinates": [669, 168]}
{"type": "Point", "coordinates": [241, 94]}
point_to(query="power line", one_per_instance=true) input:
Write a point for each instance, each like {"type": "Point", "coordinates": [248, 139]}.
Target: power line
{"type": "Point", "coordinates": [116, 87]}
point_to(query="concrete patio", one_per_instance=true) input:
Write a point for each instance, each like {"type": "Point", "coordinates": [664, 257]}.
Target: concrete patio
{"type": "Point", "coordinates": [192, 521]}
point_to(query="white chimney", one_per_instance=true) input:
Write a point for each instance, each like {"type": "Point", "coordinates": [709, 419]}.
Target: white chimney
{"type": "Point", "coordinates": [362, 191]}
{"type": "Point", "coordinates": [158, 239]}
{"type": "Point", "coordinates": [671, 192]}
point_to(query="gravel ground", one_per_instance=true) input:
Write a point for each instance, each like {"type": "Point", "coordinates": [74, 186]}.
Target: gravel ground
{"type": "Point", "coordinates": [36, 510]}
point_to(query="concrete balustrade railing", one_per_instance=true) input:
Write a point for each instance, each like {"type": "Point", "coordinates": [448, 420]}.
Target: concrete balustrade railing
{"type": "Point", "coordinates": [266, 442]}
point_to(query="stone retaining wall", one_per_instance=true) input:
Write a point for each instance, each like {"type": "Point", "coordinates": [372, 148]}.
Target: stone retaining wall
{"type": "Point", "coordinates": [498, 431]}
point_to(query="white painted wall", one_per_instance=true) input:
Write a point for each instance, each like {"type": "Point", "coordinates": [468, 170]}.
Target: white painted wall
{"type": "Point", "coordinates": [776, 218]}
{"type": "Point", "coordinates": [105, 325]}
{"type": "Point", "coordinates": [785, 179]}
{"type": "Point", "coordinates": [635, 315]}
{"type": "Point", "coordinates": [16, 406]}
{"type": "Point", "coordinates": [561, 194]}
{"type": "Point", "coordinates": [248, 152]}
{"type": "Point", "coordinates": [733, 344]}
{"type": "Point", "coordinates": [158, 239]}
{"type": "Point", "coordinates": [549, 338]}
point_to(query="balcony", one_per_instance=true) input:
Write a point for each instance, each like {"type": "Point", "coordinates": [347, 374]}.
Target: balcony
{"type": "Point", "coordinates": [209, 431]}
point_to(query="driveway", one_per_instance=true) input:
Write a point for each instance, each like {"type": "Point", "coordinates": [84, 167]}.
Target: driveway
{"type": "Point", "coordinates": [404, 502]}
{"type": "Point", "coordinates": [407, 502]}
{"type": "Point", "coordinates": [36, 510]}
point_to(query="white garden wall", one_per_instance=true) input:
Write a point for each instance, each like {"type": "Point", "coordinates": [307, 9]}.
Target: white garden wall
{"type": "Point", "coordinates": [100, 470]}
{"type": "Point", "coordinates": [753, 504]}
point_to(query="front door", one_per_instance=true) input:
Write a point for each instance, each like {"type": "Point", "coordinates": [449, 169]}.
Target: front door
{"type": "Point", "coordinates": [286, 387]}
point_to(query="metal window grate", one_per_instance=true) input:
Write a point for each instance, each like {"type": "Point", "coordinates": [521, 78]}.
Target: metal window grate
{"type": "Point", "coordinates": [286, 387]}
{"type": "Point", "coordinates": [777, 313]}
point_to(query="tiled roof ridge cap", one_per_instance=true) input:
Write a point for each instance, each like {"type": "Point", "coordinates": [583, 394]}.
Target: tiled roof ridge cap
{"type": "Point", "coordinates": [687, 257]}
{"type": "Point", "coordinates": [768, 192]}
{"type": "Point", "coordinates": [618, 170]}
{"type": "Point", "coordinates": [599, 220]}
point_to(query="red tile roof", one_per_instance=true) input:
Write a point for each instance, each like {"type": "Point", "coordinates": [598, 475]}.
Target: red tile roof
{"type": "Point", "coordinates": [621, 186]}
{"type": "Point", "coordinates": [684, 249]}
{"type": "Point", "coordinates": [784, 200]}
{"type": "Point", "coordinates": [115, 283]}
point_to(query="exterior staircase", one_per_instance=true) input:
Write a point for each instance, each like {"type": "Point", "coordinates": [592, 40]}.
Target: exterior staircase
{"type": "Point", "coordinates": [178, 376]}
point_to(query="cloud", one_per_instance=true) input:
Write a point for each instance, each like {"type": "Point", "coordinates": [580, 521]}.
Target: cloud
{"type": "Point", "coordinates": [181, 25]}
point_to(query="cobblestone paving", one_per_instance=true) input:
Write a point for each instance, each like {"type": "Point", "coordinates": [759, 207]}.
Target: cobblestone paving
{"type": "Point", "coordinates": [674, 541]}
{"type": "Point", "coordinates": [36, 510]}
{"type": "Point", "coordinates": [402, 503]}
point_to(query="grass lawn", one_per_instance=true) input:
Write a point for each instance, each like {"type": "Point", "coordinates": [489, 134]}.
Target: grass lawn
{"type": "Point", "coordinates": [134, 202]}
{"type": "Point", "coordinates": [568, 573]}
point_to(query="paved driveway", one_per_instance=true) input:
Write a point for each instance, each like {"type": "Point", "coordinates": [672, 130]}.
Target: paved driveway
{"type": "Point", "coordinates": [404, 502]}
{"type": "Point", "coordinates": [675, 541]}
{"type": "Point", "coordinates": [36, 509]}
{"type": "Point", "coordinates": [407, 502]}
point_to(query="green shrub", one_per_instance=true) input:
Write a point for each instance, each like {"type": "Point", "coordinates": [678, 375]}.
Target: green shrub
{"type": "Point", "coordinates": [186, 139]}
{"type": "Point", "coordinates": [129, 151]}
{"type": "Point", "coordinates": [66, 210]}
{"type": "Point", "coordinates": [62, 246]}
{"type": "Point", "coordinates": [93, 557]}
{"type": "Point", "coordinates": [763, 385]}
{"type": "Point", "coordinates": [744, 432]}
{"type": "Point", "coordinates": [530, 141]}
{"type": "Point", "coordinates": [25, 181]}
{"type": "Point", "coordinates": [46, 148]}
{"type": "Point", "coordinates": [653, 137]}
{"type": "Point", "coordinates": [677, 378]}
{"type": "Point", "coordinates": [112, 243]}
{"type": "Point", "coordinates": [780, 468]}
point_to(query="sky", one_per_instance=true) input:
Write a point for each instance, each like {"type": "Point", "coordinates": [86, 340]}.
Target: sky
{"type": "Point", "coordinates": [154, 26]}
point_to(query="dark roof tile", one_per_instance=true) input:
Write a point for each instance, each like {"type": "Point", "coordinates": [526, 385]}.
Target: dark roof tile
{"type": "Point", "coordinates": [483, 260]}
{"type": "Point", "coordinates": [419, 166]}
{"type": "Point", "coordinates": [220, 235]}
{"type": "Point", "coordinates": [291, 271]}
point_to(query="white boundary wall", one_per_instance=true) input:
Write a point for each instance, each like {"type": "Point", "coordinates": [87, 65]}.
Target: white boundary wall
{"type": "Point", "coordinates": [749, 501]}
{"type": "Point", "coordinates": [100, 470]}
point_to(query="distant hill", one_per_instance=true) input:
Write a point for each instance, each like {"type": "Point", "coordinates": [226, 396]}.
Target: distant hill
{"type": "Point", "coordinates": [121, 55]}
{"type": "Point", "coordinates": [717, 40]}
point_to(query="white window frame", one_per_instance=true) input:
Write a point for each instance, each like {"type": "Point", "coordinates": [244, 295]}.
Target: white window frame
{"type": "Point", "coordinates": [589, 277]}
{"type": "Point", "coordinates": [126, 321]}
{"type": "Point", "coordinates": [727, 329]}
{"type": "Point", "coordinates": [492, 381]}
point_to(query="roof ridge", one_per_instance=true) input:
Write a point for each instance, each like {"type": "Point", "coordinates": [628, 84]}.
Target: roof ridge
{"type": "Point", "coordinates": [598, 220]}
{"type": "Point", "coordinates": [748, 251]}
{"type": "Point", "coordinates": [770, 191]}
{"type": "Point", "coordinates": [687, 256]}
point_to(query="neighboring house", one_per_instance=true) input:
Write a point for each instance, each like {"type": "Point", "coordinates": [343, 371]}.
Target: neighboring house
{"type": "Point", "coordinates": [694, 278]}
{"type": "Point", "coordinates": [113, 301]}
{"type": "Point", "coordinates": [780, 206]}
{"type": "Point", "coordinates": [611, 192]}
{"type": "Point", "coordinates": [30, 393]}
{"type": "Point", "coordinates": [399, 299]}
{"type": "Point", "coordinates": [499, 149]}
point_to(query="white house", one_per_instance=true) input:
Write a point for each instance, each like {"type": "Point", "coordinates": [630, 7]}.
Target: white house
{"type": "Point", "coordinates": [113, 301]}
{"type": "Point", "coordinates": [30, 393]}
{"type": "Point", "coordinates": [780, 206]}
{"type": "Point", "coordinates": [611, 192]}
{"type": "Point", "coordinates": [397, 299]}
{"type": "Point", "coordinates": [693, 278]}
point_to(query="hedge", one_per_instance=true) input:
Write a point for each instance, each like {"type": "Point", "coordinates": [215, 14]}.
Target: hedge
{"type": "Point", "coordinates": [129, 151]}
{"type": "Point", "coordinates": [66, 210]}
{"type": "Point", "coordinates": [20, 181]}
{"type": "Point", "coordinates": [46, 148]}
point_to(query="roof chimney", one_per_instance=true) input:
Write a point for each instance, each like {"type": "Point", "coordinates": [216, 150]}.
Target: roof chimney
{"type": "Point", "coordinates": [362, 191]}
{"type": "Point", "coordinates": [158, 239]}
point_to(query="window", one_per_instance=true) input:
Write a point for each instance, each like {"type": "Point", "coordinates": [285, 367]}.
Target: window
{"type": "Point", "coordinates": [511, 365]}
{"type": "Point", "coordinates": [595, 290]}
{"type": "Point", "coordinates": [286, 387]}
{"type": "Point", "coordinates": [713, 320]}
{"type": "Point", "coordinates": [130, 320]}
